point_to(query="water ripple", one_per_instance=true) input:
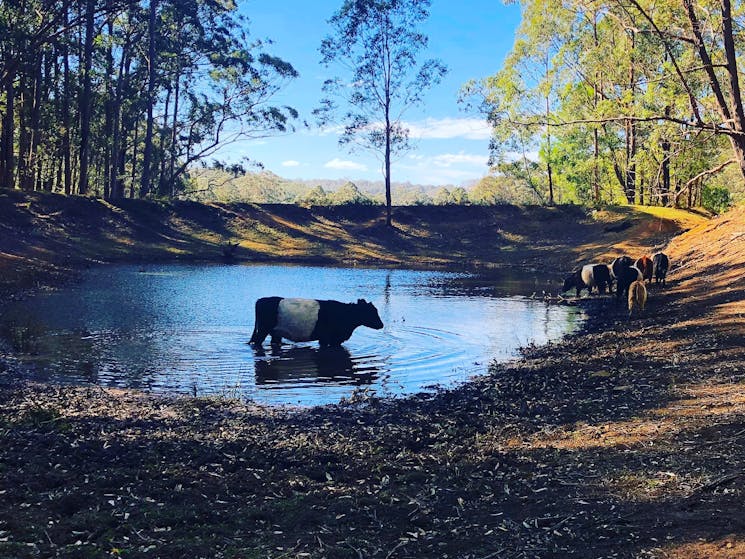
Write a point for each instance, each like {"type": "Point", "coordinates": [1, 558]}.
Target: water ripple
{"type": "Point", "coordinates": [182, 329]}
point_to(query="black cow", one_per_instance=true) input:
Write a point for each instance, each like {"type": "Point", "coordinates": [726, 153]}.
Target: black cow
{"type": "Point", "coordinates": [625, 277]}
{"type": "Point", "coordinates": [574, 280]}
{"type": "Point", "coordinates": [303, 320]}
{"type": "Point", "coordinates": [660, 265]}
{"type": "Point", "coordinates": [619, 263]}
{"type": "Point", "coordinates": [616, 266]}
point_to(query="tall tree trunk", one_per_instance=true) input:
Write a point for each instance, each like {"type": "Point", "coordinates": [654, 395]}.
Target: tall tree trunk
{"type": "Point", "coordinates": [665, 194]}
{"type": "Point", "coordinates": [174, 136]}
{"type": "Point", "coordinates": [109, 122]}
{"type": "Point", "coordinates": [66, 144]}
{"type": "Point", "coordinates": [25, 175]}
{"type": "Point", "coordinates": [595, 133]}
{"type": "Point", "coordinates": [164, 137]}
{"type": "Point", "coordinates": [35, 122]}
{"type": "Point", "coordinates": [86, 100]}
{"type": "Point", "coordinates": [387, 172]}
{"type": "Point", "coordinates": [736, 120]}
{"type": "Point", "coordinates": [118, 153]}
{"type": "Point", "coordinates": [630, 182]}
{"type": "Point", "coordinates": [8, 138]}
{"type": "Point", "coordinates": [135, 139]}
{"type": "Point", "coordinates": [147, 154]}
{"type": "Point", "coordinates": [549, 170]}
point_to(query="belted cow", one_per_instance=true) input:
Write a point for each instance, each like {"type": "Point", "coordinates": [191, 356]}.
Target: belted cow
{"type": "Point", "coordinates": [587, 277]}
{"type": "Point", "coordinates": [303, 320]}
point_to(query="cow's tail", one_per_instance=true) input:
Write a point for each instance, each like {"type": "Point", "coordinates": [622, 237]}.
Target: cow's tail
{"type": "Point", "coordinates": [255, 333]}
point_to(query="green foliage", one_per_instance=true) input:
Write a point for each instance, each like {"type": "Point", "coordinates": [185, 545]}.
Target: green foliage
{"type": "Point", "coordinates": [716, 199]}
{"type": "Point", "coordinates": [316, 197]}
{"type": "Point", "coordinates": [349, 194]}
{"type": "Point", "coordinates": [616, 106]}
{"type": "Point", "coordinates": [166, 84]}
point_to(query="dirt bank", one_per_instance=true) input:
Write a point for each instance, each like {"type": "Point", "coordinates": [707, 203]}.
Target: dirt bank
{"type": "Point", "coordinates": [43, 236]}
{"type": "Point", "coordinates": [625, 440]}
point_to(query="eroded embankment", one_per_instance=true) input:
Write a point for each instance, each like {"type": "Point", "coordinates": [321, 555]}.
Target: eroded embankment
{"type": "Point", "coordinates": [44, 236]}
{"type": "Point", "coordinates": [625, 440]}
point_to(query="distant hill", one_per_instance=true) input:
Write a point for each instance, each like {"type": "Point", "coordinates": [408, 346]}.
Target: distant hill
{"type": "Point", "coordinates": [219, 185]}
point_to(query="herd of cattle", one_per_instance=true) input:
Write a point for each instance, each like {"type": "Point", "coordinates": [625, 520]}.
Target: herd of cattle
{"type": "Point", "coordinates": [628, 275]}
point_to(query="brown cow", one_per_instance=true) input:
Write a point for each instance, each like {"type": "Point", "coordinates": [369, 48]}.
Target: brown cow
{"type": "Point", "coordinates": [637, 297]}
{"type": "Point", "coordinates": [645, 267]}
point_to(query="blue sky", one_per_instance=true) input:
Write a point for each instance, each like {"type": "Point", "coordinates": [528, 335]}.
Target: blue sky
{"type": "Point", "coordinates": [471, 38]}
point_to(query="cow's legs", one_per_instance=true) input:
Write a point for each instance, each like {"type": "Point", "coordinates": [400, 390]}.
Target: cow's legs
{"type": "Point", "coordinates": [258, 336]}
{"type": "Point", "coordinates": [276, 339]}
{"type": "Point", "coordinates": [266, 319]}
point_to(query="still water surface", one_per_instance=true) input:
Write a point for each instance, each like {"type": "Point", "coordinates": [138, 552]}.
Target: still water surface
{"type": "Point", "coordinates": [184, 329]}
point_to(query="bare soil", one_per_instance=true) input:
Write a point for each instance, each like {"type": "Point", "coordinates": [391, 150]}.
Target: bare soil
{"type": "Point", "coordinates": [624, 440]}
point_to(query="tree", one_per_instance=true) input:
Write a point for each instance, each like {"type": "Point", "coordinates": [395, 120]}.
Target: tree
{"type": "Point", "coordinates": [349, 194]}
{"type": "Point", "coordinates": [315, 197]}
{"type": "Point", "coordinates": [378, 43]}
{"type": "Point", "coordinates": [630, 92]}
{"type": "Point", "coordinates": [102, 97]}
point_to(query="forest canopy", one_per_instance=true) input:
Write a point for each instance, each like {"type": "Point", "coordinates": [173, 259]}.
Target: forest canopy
{"type": "Point", "coordinates": [634, 101]}
{"type": "Point", "coordinates": [122, 97]}
{"type": "Point", "coordinates": [596, 103]}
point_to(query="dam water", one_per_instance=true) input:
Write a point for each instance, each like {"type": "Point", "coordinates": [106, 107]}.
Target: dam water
{"type": "Point", "coordinates": [184, 329]}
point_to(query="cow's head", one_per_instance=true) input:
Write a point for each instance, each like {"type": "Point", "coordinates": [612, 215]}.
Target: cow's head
{"type": "Point", "coordinates": [569, 282]}
{"type": "Point", "coordinates": [368, 315]}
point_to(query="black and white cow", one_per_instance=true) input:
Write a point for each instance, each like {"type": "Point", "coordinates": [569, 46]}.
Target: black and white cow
{"type": "Point", "coordinates": [587, 277]}
{"type": "Point", "coordinates": [660, 265]}
{"type": "Point", "coordinates": [303, 320]}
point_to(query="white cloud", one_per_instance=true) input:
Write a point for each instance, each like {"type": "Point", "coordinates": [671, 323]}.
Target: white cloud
{"type": "Point", "coordinates": [443, 160]}
{"type": "Point", "coordinates": [345, 165]}
{"type": "Point", "coordinates": [448, 128]}
{"type": "Point", "coordinates": [290, 163]}
{"type": "Point", "coordinates": [446, 168]}
{"type": "Point", "coordinates": [430, 129]}
{"type": "Point", "coordinates": [450, 159]}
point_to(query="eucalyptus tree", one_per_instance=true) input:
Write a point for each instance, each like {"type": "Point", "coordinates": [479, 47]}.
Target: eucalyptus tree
{"type": "Point", "coordinates": [520, 100]}
{"type": "Point", "coordinates": [640, 87]}
{"type": "Point", "coordinates": [100, 95]}
{"type": "Point", "coordinates": [377, 45]}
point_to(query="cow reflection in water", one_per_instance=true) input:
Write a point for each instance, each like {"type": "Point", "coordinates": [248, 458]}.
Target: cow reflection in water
{"type": "Point", "coordinates": [326, 364]}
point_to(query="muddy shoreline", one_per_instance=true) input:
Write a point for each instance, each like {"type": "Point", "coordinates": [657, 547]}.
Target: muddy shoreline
{"type": "Point", "coordinates": [623, 440]}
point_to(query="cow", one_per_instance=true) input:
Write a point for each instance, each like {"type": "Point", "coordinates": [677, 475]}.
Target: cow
{"type": "Point", "coordinates": [637, 296]}
{"type": "Point", "coordinates": [660, 265]}
{"type": "Point", "coordinates": [626, 276]}
{"type": "Point", "coordinates": [587, 277]}
{"type": "Point", "coordinates": [303, 320]}
{"type": "Point", "coordinates": [574, 280]}
{"type": "Point", "coordinates": [645, 267]}
{"type": "Point", "coordinates": [619, 263]}
{"type": "Point", "coordinates": [616, 266]}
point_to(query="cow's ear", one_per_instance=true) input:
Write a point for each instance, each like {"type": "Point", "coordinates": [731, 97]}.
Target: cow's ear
{"type": "Point", "coordinates": [361, 301]}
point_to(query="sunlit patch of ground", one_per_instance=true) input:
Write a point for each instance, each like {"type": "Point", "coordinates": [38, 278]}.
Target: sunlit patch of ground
{"type": "Point", "coordinates": [695, 403]}
{"type": "Point", "coordinates": [732, 547]}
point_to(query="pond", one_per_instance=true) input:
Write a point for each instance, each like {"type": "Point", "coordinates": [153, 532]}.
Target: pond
{"type": "Point", "coordinates": [185, 328]}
